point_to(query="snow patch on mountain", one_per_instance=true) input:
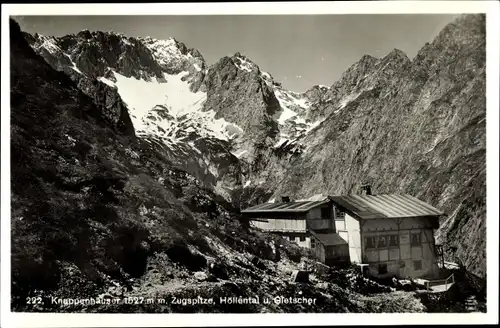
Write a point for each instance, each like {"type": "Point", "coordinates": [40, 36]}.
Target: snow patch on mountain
{"type": "Point", "coordinates": [313, 125]}
{"type": "Point", "coordinates": [50, 45]}
{"type": "Point", "coordinates": [243, 64]}
{"type": "Point", "coordinates": [163, 50]}
{"type": "Point", "coordinates": [286, 114]}
{"type": "Point", "coordinates": [141, 96]}
{"type": "Point", "coordinates": [288, 101]}
{"type": "Point", "coordinates": [169, 109]}
{"type": "Point", "coordinates": [106, 81]}
{"type": "Point", "coordinates": [193, 146]}
{"type": "Point", "coordinates": [73, 63]}
{"type": "Point", "coordinates": [347, 100]}
{"type": "Point", "coordinates": [168, 55]}
{"type": "Point", "coordinates": [240, 153]}
{"type": "Point", "coordinates": [266, 75]}
{"type": "Point", "coordinates": [281, 142]}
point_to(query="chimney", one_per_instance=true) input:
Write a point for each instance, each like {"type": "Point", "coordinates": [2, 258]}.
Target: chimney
{"type": "Point", "coordinates": [366, 189]}
{"type": "Point", "coordinates": [285, 199]}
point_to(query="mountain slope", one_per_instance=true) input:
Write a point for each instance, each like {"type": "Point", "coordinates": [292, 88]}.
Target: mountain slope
{"type": "Point", "coordinates": [414, 126]}
{"type": "Point", "coordinates": [232, 108]}
{"type": "Point", "coordinates": [93, 209]}
{"type": "Point", "coordinates": [99, 213]}
{"type": "Point", "coordinates": [417, 127]}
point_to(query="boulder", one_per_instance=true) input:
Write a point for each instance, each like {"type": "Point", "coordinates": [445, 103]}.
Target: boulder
{"type": "Point", "coordinates": [300, 276]}
{"type": "Point", "coordinates": [219, 270]}
{"type": "Point", "coordinates": [200, 276]}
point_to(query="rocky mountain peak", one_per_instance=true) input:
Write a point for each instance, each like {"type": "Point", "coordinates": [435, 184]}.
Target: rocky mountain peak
{"type": "Point", "coordinates": [356, 72]}
{"type": "Point", "coordinates": [397, 55]}
{"type": "Point", "coordinates": [368, 60]}
{"type": "Point", "coordinates": [317, 93]}
{"type": "Point", "coordinates": [467, 34]}
{"type": "Point", "coordinates": [93, 52]}
{"type": "Point", "coordinates": [464, 29]}
{"type": "Point", "coordinates": [394, 63]}
{"type": "Point", "coordinates": [237, 92]}
{"type": "Point", "coordinates": [243, 63]}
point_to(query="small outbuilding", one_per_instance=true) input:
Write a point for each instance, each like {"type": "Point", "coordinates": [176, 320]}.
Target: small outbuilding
{"type": "Point", "coordinates": [330, 248]}
{"type": "Point", "coordinates": [293, 220]}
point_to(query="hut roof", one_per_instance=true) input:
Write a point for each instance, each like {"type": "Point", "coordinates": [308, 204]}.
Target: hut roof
{"type": "Point", "coordinates": [329, 239]}
{"type": "Point", "coordinates": [385, 206]}
{"type": "Point", "coordinates": [294, 207]}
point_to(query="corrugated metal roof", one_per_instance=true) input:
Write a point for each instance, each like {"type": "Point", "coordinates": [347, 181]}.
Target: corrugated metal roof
{"type": "Point", "coordinates": [329, 239]}
{"type": "Point", "coordinates": [385, 206]}
{"type": "Point", "coordinates": [295, 207]}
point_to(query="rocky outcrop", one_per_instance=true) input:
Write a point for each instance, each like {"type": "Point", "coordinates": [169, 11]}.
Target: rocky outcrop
{"type": "Point", "coordinates": [94, 52]}
{"type": "Point", "coordinates": [107, 98]}
{"type": "Point", "coordinates": [112, 108]}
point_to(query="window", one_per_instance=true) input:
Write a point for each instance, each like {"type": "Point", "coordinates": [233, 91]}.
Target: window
{"type": "Point", "coordinates": [370, 242]}
{"type": "Point", "coordinates": [325, 213]}
{"type": "Point", "coordinates": [393, 240]}
{"type": "Point", "coordinates": [382, 268]}
{"type": "Point", "coordinates": [415, 239]}
{"type": "Point", "coordinates": [339, 214]}
{"type": "Point", "coordinates": [417, 265]}
{"type": "Point", "coordinates": [382, 241]}
{"type": "Point", "coordinates": [302, 238]}
{"type": "Point", "coordinates": [313, 243]}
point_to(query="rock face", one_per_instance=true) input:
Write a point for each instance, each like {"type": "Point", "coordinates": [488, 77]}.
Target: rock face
{"type": "Point", "coordinates": [237, 93]}
{"type": "Point", "coordinates": [107, 98]}
{"type": "Point", "coordinates": [110, 102]}
{"type": "Point", "coordinates": [403, 125]}
{"type": "Point", "coordinates": [416, 127]}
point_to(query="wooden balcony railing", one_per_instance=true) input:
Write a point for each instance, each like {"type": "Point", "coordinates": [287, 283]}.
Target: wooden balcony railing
{"type": "Point", "coordinates": [446, 282]}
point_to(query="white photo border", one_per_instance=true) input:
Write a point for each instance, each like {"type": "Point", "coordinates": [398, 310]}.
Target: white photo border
{"type": "Point", "coordinates": [490, 8]}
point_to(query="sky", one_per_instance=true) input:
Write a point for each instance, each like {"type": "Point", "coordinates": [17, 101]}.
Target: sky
{"type": "Point", "coordinates": [297, 50]}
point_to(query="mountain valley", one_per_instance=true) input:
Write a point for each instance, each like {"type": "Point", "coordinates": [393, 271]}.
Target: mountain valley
{"type": "Point", "coordinates": [133, 156]}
